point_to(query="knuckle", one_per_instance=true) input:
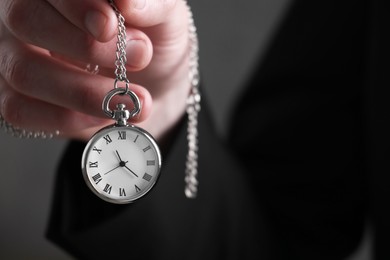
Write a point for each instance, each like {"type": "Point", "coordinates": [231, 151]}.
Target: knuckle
{"type": "Point", "coordinates": [12, 68]}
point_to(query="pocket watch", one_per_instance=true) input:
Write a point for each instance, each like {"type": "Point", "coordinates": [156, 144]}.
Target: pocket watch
{"type": "Point", "coordinates": [121, 163]}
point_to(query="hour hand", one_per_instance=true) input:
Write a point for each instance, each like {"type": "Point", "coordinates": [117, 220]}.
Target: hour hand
{"type": "Point", "coordinates": [119, 157]}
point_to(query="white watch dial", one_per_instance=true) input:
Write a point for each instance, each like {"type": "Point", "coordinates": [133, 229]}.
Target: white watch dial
{"type": "Point", "coordinates": [121, 164]}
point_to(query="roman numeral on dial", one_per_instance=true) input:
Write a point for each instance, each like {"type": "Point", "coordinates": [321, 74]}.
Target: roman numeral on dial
{"type": "Point", "coordinates": [122, 192]}
{"type": "Point", "coordinates": [150, 162]}
{"type": "Point", "coordinates": [108, 139]}
{"type": "Point", "coordinates": [122, 135]}
{"type": "Point", "coordinates": [107, 188]}
{"type": "Point", "coordinates": [147, 177]}
{"type": "Point", "coordinates": [147, 148]}
{"type": "Point", "coordinates": [93, 164]}
{"type": "Point", "coordinates": [97, 150]}
{"type": "Point", "coordinates": [97, 178]}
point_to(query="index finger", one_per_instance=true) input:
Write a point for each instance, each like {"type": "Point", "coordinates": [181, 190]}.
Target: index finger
{"type": "Point", "coordinates": [94, 17]}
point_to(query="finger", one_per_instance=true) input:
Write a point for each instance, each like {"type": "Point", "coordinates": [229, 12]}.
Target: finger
{"type": "Point", "coordinates": [146, 13]}
{"type": "Point", "coordinates": [34, 115]}
{"type": "Point", "coordinates": [94, 17]}
{"type": "Point", "coordinates": [39, 76]}
{"type": "Point", "coordinates": [139, 52]}
{"type": "Point", "coordinates": [38, 23]}
{"type": "Point", "coordinates": [35, 21]}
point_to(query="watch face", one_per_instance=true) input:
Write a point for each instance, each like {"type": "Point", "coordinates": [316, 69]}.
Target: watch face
{"type": "Point", "coordinates": [121, 163]}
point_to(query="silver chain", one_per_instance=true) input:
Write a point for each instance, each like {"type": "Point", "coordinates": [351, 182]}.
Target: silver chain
{"type": "Point", "coordinates": [193, 101]}
{"type": "Point", "coordinates": [24, 134]}
{"type": "Point", "coordinates": [193, 108]}
{"type": "Point", "coordinates": [121, 60]}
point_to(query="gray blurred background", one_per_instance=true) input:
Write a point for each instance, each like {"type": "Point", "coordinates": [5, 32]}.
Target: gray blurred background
{"type": "Point", "coordinates": [27, 167]}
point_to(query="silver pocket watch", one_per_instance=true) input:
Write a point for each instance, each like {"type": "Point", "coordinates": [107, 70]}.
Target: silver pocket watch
{"type": "Point", "coordinates": [121, 163]}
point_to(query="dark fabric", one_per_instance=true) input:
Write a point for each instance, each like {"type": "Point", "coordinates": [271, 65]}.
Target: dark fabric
{"type": "Point", "coordinates": [379, 127]}
{"type": "Point", "coordinates": [304, 139]}
{"type": "Point", "coordinates": [304, 165]}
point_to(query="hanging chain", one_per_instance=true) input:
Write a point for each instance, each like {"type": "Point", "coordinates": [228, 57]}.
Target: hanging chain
{"type": "Point", "coordinates": [121, 60]}
{"type": "Point", "coordinates": [193, 101]}
{"type": "Point", "coordinates": [193, 108]}
{"type": "Point", "coordinates": [25, 134]}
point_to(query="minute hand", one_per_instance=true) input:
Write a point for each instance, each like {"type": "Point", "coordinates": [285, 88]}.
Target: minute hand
{"type": "Point", "coordinates": [131, 171]}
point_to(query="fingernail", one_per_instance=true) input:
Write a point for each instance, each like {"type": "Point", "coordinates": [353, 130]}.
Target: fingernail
{"type": "Point", "coordinates": [95, 23]}
{"type": "Point", "coordinates": [139, 4]}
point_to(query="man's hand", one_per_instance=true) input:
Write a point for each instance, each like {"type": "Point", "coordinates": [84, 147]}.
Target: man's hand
{"type": "Point", "coordinates": [45, 46]}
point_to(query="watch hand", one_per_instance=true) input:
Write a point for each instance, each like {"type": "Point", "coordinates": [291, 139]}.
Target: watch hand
{"type": "Point", "coordinates": [120, 159]}
{"type": "Point", "coordinates": [123, 164]}
{"type": "Point", "coordinates": [131, 170]}
{"type": "Point", "coordinates": [112, 169]}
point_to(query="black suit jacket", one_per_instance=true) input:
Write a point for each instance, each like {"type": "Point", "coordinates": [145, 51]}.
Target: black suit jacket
{"type": "Point", "coordinates": [303, 167]}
